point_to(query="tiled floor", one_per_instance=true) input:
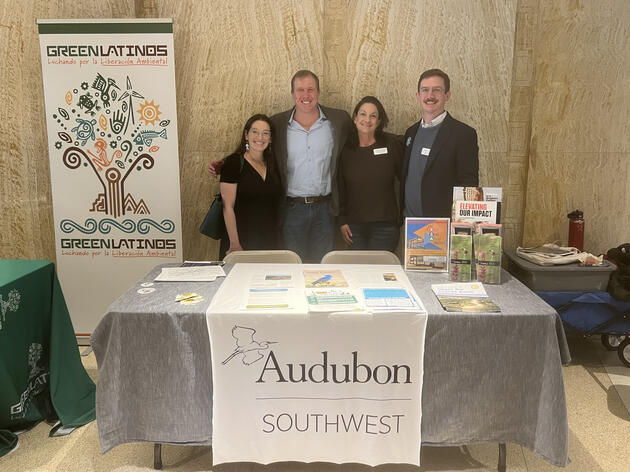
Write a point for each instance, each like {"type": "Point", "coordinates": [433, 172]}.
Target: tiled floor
{"type": "Point", "coordinates": [599, 436]}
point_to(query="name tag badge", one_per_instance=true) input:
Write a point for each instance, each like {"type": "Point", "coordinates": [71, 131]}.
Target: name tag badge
{"type": "Point", "coordinates": [425, 151]}
{"type": "Point", "coordinates": [380, 151]}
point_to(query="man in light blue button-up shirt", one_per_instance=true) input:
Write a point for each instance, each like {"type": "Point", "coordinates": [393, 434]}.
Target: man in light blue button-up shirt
{"type": "Point", "coordinates": [308, 173]}
{"type": "Point", "coordinates": [307, 143]}
{"type": "Point", "coordinates": [308, 140]}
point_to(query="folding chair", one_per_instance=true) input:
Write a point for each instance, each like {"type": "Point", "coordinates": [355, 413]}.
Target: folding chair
{"type": "Point", "coordinates": [280, 256]}
{"type": "Point", "coordinates": [360, 257]}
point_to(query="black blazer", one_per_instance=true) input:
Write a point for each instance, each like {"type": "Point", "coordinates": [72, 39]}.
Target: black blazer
{"type": "Point", "coordinates": [452, 162]}
{"type": "Point", "coordinates": [341, 125]}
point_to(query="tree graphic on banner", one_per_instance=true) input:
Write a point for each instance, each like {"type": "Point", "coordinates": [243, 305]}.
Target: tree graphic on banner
{"type": "Point", "coordinates": [114, 133]}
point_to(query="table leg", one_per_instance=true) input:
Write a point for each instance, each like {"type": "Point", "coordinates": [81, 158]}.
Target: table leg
{"type": "Point", "coordinates": [157, 456]}
{"type": "Point", "coordinates": [502, 457]}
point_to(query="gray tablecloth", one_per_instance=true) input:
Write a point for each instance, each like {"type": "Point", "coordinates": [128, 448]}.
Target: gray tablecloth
{"type": "Point", "coordinates": [487, 378]}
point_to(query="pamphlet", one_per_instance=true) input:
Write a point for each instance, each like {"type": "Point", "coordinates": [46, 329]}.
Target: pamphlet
{"type": "Point", "coordinates": [271, 279]}
{"type": "Point", "coordinates": [324, 278]}
{"type": "Point", "coordinates": [204, 273]}
{"type": "Point", "coordinates": [201, 263]}
{"type": "Point", "coordinates": [461, 250]}
{"type": "Point", "coordinates": [488, 258]}
{"type": "Point", "coordinates": [332, 299]}
{"type": "Point", "coordinates": [464, 298]}
{"type": "Point", "coordinates": [389, 299]}
{"type": "Point", "coordinates": [268, 298]}
{"type": "Point", "coordinates": [477, 204]}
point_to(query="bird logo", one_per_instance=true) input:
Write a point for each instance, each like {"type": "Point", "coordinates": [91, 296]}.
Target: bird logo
{"type": "Point", "coordinates": [246, 346]}
{"type": "Point", "coordinates": [322, 280]}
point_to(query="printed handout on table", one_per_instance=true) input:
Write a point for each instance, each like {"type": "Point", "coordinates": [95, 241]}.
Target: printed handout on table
{"type": "Point", "coordinates": [324, 278]}
{"type": "Point", "coordinates": [205, 273]}
{"type": "Point", "coordinates": [268, 298]}
{"type": "Point", "coordinates": [389, 299]}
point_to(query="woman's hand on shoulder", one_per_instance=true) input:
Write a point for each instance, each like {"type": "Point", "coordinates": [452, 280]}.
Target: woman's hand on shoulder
{"type": "Point", "coordinates": [346, 233]}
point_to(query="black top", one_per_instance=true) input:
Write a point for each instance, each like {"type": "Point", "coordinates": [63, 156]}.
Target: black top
{"type": "Point", "coordinates": [256, 206]}
{"type": "Point", "coordinates": [367, 182]}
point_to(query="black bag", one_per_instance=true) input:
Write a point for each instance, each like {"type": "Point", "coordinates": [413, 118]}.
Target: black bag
{"type": "Point", "coordinates": [619, 284]}
{"type": "Point", "coordinates": [213, 225]}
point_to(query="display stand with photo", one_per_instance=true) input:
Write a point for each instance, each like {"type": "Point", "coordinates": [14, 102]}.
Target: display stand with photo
{"type": "Point", "coordinates": [427, 244]}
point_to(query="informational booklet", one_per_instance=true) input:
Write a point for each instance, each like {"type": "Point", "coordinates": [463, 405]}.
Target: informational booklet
{"type": "Point", "coordinates": [324, 278]}
{"type": "Point", "coordinates": [477, 204]}
{"type": "Point", "coordinates": [461, 252]}
{"type": "Point", "coordinates": [488, 258]}
{"type": "Point", "coordinates": [464, 297]}
{"type": "Point", "coordinates": [204, 273]}
{"type": "Point", "coordinates": [268, 298]}
{"type": "Point", "coordinates": [201, 263]}
{"type": "Point", "coordinates": [475, 212]}
{"type": "Point", "coordinates": [332, 299]}
{"type": "Point", "coordinates": [389, 299]}
{"type": "Point", "coordinates": [271, 279]}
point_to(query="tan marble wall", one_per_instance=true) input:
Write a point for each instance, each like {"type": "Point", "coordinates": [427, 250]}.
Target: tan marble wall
{"type": "Point", "coordinates": [580, 139]}
{"type": "Point", "coordinates": [234, 58]}
{"type": "Point", "coordinates": [26, 228]}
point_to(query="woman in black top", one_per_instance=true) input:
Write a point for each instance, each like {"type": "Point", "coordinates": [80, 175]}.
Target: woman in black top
{"type": "Point", "coordinates": [251, 191]}
{"type": "Point", "coordinates": [368, 173]}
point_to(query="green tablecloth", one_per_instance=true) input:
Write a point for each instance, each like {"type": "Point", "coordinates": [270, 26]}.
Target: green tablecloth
{"type": "Point", "coordinates": [41, 375]}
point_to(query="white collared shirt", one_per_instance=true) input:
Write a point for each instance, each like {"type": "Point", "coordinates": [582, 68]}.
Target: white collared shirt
{"type": "Point", "coordinates": [435, 121]}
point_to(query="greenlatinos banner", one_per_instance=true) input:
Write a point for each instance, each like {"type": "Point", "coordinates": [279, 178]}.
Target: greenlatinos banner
{"type": "Point", "coordinates": [109, 91]}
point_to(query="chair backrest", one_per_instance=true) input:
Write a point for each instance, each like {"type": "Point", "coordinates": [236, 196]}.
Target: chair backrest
{"type": "Point", "coordinates": [360, 257]}
{"type": "Point", "coordinates": [280, 256]}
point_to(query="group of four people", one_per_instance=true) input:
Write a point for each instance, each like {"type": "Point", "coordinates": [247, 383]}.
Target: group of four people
{"type": "Point", "coordinates": [300, 174]}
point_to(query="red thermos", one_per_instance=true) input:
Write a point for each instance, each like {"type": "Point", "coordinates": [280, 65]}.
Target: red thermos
{"type": "Point", "coordinates": [576, 229]}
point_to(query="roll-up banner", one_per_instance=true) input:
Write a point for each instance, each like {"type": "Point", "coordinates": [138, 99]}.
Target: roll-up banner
{"type": "Point", "coordinates": [109, 91]}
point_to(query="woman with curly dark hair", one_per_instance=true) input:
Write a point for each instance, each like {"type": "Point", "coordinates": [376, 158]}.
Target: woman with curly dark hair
{"type": "Point", "coordinates": [251, 190]}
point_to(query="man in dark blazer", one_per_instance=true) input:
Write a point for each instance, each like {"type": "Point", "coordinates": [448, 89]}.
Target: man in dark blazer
{"type": "Point", "coordinates": [307, 143]}
{"type": "Point", "coordinates": [440, 153]}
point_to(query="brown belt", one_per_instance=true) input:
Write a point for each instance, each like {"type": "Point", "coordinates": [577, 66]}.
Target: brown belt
{"type": "Point", "coordinates": [315, 199]}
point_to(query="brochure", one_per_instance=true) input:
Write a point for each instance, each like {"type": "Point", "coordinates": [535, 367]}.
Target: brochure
{"type": "Point", "coordinates": [464, 298]}
{"type": "Point", "coordinates": [271, 280]}
{"type": "Point", "coordinates": [389, 299]}
{"type": "Point", "coordinates": [268, 298]}
{"type": "Point", "coordinates": [488, 258]}
{"type": "Point", "coordinates": [332, 299]}
{"type": "Point", "coordinates": [477, 204]}
{"type": "Point", "coordinates": [461, 251]}
{"type": "Point", "coordinates": [204, 273]}
{"type": "Point", "coordinates": [324, 278]}
{"type": "Point", "coordinates": [201, 263]}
